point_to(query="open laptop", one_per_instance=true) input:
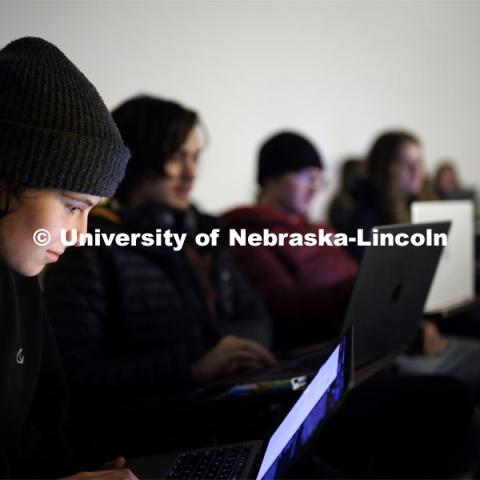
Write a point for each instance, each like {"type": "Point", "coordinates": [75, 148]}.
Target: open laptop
{"type": "Point", "coordinates": [385, 307]}
{"type": "Point", "coordinates": [272, 459]}
{"type": "Point", "coordinates": [390, 291]}
{"type": "Point", "coordinates": [462, 194]}
{"type": "Point", "coordinates": [454, 282]}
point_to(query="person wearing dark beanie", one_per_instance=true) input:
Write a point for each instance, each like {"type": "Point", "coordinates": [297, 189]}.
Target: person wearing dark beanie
{"type": "Point", "coordinates": [286, 152]}
{"type": "Point", "coordinates": [55, 130]}
{"type": "Point", "coordinates": [289, 173]}
{"type": "Point", "coordinates": [60, 152]}
{"type": "Point", "coordinates": [305, 288]}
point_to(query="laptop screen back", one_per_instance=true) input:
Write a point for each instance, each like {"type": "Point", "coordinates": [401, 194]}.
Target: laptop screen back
{"type": "Point", "coordinates": [453, 284]}
{"type": "Point", "coordinates": [314, 405]}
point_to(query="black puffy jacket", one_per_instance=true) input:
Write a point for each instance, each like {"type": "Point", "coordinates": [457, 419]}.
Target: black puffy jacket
{"type": "Point", "coordinates": [130, 320]}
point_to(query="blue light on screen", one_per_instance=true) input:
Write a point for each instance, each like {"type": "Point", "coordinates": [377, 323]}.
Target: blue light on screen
{"type": "Point", "coordinates": [322, 394]}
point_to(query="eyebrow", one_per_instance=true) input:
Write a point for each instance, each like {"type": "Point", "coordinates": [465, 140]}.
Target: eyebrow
{"type": "Point", "coordinates": [85, 201]}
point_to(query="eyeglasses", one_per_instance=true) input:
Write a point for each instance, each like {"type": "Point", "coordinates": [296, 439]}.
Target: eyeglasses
{"type": "Point", "coordinates": [317, 179]}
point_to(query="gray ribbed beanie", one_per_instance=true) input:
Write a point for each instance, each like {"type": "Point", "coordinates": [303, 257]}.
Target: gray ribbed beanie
{"type": "Point", "coordinates": [55, 130]}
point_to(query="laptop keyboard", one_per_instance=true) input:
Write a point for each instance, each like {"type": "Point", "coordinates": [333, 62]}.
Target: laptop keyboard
{"type": "Point", "coordinates": [217, 463]}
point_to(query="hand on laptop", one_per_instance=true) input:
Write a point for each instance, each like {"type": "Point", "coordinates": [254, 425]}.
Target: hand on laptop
{"type": "Point", "coordinates": [113, 470]}
{"type": "Point", "coordinates": [230, 356]}
{"type": "Point", "coordinates": [434, 343]}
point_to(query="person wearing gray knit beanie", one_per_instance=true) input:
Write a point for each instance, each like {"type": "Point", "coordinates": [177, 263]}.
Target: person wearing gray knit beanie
{"type": "Point", "coordinates": [55, 130]}
{"type": "Point", "coordinates": [56, 136]}
{"type": "Point", "coordinates": [60, 152]}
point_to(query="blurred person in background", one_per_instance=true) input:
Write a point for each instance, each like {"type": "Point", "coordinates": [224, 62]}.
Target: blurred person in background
{"type": "Point", "coordinates": [448, 186]}
{"type": "Point", "coordinates": [148, 322]}
{"type": "Point", "coordinates": [305, 288]}
{"type": "Point", "coordinates": [382, 429]}
{"type": "Point", "coordinates": [342, 204]}
{"type": "Point", "coordinates": [446, 180]}
{"type": "Point", "coordinates": [394, 179]}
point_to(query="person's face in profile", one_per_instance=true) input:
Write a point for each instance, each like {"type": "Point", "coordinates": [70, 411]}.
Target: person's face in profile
{"type": "Point", "coordinates": [408, 169]}
{"type": "Point", "coordinates": [446, 181]}
{"type": "Point", "coordinates": [49, 209]}
{"type": "Point", "coordinates": [296, 190]}
{"type": "Point", "coordinates": [173, 190]}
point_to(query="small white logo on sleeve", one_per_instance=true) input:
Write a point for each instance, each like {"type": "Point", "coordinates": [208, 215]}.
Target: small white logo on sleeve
{"type": "Point", "coordinates": [20, 357]}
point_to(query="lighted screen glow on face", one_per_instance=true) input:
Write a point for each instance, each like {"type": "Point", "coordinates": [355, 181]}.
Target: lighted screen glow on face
{"type": "Point", "coordinates": [294, 191]}
{"type": "Point", "coordinates": [409, 168]}
{"type": "Point", "coordinates": [49, 209]}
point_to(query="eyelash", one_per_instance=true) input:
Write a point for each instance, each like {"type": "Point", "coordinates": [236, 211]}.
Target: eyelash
{"type": "Point", "coordinates": [72, 208]}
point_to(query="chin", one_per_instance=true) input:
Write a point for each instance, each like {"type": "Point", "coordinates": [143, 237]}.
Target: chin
{"type": "Point", "coordinates": [301, 210]}
{"type": "Point", "coordinates": [181, 205]}
{"type": "Point", "coordinates": [28, 270]}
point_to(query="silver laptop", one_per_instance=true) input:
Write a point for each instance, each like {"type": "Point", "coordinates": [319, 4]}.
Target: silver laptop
{"type": "Point", "coordinates": [389, 296]}
{"type": "Point", "coordinates": [453, 285]}
{"type": "Point", "coordinates": [385, 307]}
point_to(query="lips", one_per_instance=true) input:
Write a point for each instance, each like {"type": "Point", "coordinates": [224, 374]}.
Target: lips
{"type": "Point", "coordinates": [54, 255]}
{"type": "Point", "coordinates": [183, 192]}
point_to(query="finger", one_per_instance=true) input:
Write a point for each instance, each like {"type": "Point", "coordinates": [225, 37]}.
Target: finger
{"type": "Point", "coordinates": [237, 357]}
{"type": "Point", "coordinates": [117, 474]}
{"type": "Point", "coordinates": [250, 365]}
{"type": "Point", "coordinates": [227, 364]}
{"type": "Point", "coordinates": [231, 342]}
{"type": "Point", "coordinates": [115, 464]}
{"type": "Point", "coordinates": [260, 352]}
{"type": "Point", "coordinates": [130, 474]}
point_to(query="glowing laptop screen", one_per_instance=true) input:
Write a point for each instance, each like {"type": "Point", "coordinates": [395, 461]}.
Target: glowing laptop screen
{"type": "Point", "coordinates": [321, 395]}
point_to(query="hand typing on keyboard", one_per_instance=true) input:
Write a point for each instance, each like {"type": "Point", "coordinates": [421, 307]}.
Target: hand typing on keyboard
{"type": "Point", "coordinates": [230, 356]}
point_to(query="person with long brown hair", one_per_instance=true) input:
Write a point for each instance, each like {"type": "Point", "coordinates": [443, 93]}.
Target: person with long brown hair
{"type": "Point", "coordinates": [395, 177]}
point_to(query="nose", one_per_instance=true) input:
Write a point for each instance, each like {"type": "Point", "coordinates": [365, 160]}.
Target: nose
{"type": "Point", "coordinates": [315, 185]}
{"type": "Point", "coordinates": [80, 226]}
{"type": "Point", "coordinates": [189, 168]}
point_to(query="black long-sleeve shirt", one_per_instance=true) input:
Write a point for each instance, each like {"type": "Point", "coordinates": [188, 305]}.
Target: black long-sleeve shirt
{"type": "Point", "coordinates": [32, 385]}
